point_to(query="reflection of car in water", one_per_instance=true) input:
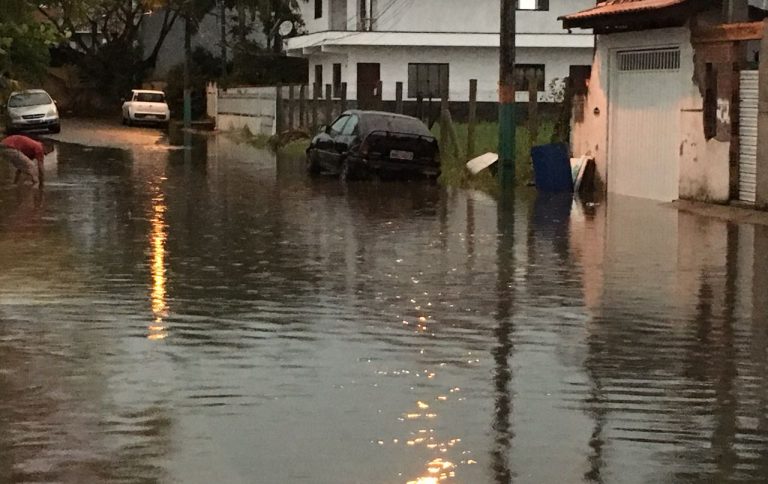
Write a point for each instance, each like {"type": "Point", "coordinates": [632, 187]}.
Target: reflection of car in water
{"type": "Point", "coordinates": [146, 107]}
{"type": "Point", "coordinates": [29, 110]}
{"type": "Point", "coordinates": [358, 143]}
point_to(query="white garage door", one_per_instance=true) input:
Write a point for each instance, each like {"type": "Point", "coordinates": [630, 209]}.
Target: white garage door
{"type": "Point", "coordinates": [748, 136]}
{"type": "Point", "coordinates": [645, 116]}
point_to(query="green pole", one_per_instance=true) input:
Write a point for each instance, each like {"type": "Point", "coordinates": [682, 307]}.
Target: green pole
{"type": "Point", "coordinates": [507, 97]}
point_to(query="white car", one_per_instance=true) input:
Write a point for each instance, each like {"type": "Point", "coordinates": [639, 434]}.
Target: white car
{"type": "Point", "coordinates": [146, 107]}
{"type": "Point", "coordinates": [30, 110]}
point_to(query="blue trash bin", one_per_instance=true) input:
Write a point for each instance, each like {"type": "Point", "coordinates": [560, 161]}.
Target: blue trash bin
{"type": "Point", "coordinates": [552, 168]}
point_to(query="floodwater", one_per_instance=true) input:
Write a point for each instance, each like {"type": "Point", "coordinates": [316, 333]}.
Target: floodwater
{"type": "Point", "coordinates": [213, 315]}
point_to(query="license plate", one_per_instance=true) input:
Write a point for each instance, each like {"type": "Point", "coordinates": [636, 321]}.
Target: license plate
{"type": "Point", "coordinates": [401, 155]}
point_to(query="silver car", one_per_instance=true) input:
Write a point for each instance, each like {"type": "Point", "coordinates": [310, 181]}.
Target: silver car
{"type": "Point", "coordinates": [30, 110]}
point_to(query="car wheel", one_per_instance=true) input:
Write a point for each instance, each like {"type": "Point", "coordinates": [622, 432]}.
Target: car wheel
{"type": "Point", "coordinates": [313, 167]}
{"type": "Point", "coordinates": [55, 129]}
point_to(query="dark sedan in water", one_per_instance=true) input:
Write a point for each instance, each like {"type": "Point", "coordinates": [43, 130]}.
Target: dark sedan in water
{"type": "Point", "coordinates": [359, 143]}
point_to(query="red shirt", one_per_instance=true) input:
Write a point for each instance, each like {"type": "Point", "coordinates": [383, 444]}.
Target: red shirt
{"type": "Point", "coordinates": [31, 148]}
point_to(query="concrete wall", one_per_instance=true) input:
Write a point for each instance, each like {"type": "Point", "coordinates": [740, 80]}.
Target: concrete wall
{"type": "Point", "coordinates": [704, 165]}
{"type": "Point", "coordinates": [465, 64]}
{"type": "Point", "coordinates": [246, 107]}
{"type": "Point", "coordinates": [443, 16]}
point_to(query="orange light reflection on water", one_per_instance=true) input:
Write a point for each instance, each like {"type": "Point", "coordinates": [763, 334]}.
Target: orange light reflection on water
{"type": "Point", "coordinates": [158, 330]}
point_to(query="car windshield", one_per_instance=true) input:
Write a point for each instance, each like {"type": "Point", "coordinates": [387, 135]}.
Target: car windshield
{"type": "Point", "coordinates": [150, 97]}
{"type": "Point", "coordinates": [398, 124]}
{"type": "Point", "coordinates": [25, 99]}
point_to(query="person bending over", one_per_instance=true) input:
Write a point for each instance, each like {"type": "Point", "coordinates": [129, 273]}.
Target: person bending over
{"type": "Point", "coordinates": [26, 155]}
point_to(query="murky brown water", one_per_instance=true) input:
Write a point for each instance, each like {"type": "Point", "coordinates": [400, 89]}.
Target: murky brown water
{"type": "Point", "coordinates": [218, 319]}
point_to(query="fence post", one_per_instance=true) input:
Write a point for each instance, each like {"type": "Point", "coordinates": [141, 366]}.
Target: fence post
{"type": "Point", "coordinates": [303, 107]}
{"type": "Point", "coordinates": [328, 104]}
{"type": "Point", "coordinates": [279, 109]}
{"type": "Point", "coordinates": [291, 105]}
{"type": "Point", "coordinates": [420, 108]}
{"type": "Point", "coordinates": [472, 118]}
{"type": "Point", "coordinates": [380, 95]}
{"type": "Point", "coordinates": [315, 103]}
{"type": "Point", "coordinates": [343, 96]}
{"type": "Point", "coordinates": [399, 98]}
{"type": "Point", "coordinates": [533, 106]}
{"type": "Point", "coordinates": [443, 124]}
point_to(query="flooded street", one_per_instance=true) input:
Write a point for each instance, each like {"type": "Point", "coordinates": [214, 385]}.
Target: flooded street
{"type": "Point", "coordinates": [214, 315]}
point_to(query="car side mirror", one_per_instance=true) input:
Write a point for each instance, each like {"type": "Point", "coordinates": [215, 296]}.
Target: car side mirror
{"type": "Point", "coordinates": [323, 129]}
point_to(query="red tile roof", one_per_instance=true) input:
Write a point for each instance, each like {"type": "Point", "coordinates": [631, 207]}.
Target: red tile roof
{"type": "Point", "coordinates": [613, 7]}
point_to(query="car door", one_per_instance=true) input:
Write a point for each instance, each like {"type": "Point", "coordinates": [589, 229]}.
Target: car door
{"type": "Point", "coordinates": [325, 144]}
{"type": "Point", "coordinates": [348, 137]}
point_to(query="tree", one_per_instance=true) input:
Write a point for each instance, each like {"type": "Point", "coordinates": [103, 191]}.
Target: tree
{"type": "Point", "coordinates": [111, 57]}
{"type": "Point", "coordinates": [271, 13]}
{"type": "Point", "coordinates": [23, 44]}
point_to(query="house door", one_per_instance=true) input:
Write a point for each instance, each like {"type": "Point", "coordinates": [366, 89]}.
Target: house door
{"type": "Point", "coordinates": [748, 136]}
{"type": "Point", "coordinates": [644, 156]}
{"type": "Point", "coordinates": [368, 77]}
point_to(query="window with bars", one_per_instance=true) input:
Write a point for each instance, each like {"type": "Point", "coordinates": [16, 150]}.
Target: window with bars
{"type": "Point", "coordinates": [649, 60]}
{"type": "Point", "coordinates": [428, 80]}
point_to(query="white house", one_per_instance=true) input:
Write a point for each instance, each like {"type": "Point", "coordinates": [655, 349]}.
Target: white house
{"type": "Point", "coordinates": [671, 109]}
{"type": "Point", "coordinates": [432, 46]}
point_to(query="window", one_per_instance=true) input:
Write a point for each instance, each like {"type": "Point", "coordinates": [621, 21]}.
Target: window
{"type": "Point", "coordinates": [150, 97]}
{"type": "Point", "coordinates": [366, 16]}
{"type": "Point", "coordinates": [338, 126]}
{"type": "Point", "coordinates": [319, 80]}
{"type": "Point", "coordinates": [428, 80]}
{"type": "Point", "coordinates": [351, 126]}
{"type": "Point", "coordinates": [710, 102]}
{"type": "Point", "coordinates": [337, 80]}
{"type": "Point", "coordinates": [318, 8]}
{"type": "Point", "coordinates": [533, 4]}
{"type": "Point", "coordinates": [525, 71]}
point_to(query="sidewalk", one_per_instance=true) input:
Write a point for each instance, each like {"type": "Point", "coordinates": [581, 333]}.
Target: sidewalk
{"type": "Point", "coordinates": [727, 213]}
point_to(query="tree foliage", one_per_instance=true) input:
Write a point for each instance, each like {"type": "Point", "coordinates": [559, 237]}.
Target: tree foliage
{"type": "Point", "coordinates": [24, 44]}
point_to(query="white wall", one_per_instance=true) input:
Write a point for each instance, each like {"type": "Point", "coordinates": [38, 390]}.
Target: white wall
{"type": "Point", "coordinates": [445, 16]}
{"type": "Point", "coordinates": [703, 164]}
{"type": "Point", "coordinates": [465, 64]}
{"type": "Point", "coordinates": [251, 107]}
{"type": "Point", "coordinates": [308, 15]}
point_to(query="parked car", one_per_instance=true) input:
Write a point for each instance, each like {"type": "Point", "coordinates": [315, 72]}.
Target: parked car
{"type": "Point", "coordinates": [359, 143]}
{"type": "Point", "coordinates": [144, 106]}
{"type": "Point", "coordinates": [29, 110]}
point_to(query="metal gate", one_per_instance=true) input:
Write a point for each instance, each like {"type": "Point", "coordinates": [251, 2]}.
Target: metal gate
{"type": "Point", "coordinates": [644, 159]}
{"type": "Point", "coordinates": [748, 136]}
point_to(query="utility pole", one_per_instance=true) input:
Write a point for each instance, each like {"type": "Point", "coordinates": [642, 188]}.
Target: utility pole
{"type": "Point", "coordinates": [187, 82]}
{"type": "Point", "coordinates": [507, 96]}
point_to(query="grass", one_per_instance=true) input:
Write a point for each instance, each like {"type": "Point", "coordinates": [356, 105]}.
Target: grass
{"type": "Point", "coordinates": [454, 173]}
{"type": "Point", "coordinates": [487, 140]}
